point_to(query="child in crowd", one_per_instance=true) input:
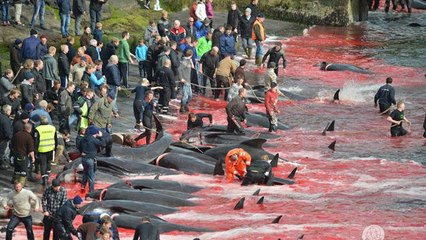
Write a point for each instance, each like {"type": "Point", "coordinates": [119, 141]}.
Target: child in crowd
{"type": "Point", "coordinates": [140, 53]}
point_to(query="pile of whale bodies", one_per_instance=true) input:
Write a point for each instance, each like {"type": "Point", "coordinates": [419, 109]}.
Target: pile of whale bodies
{"type": "Point", "coordinates": [129, 200]}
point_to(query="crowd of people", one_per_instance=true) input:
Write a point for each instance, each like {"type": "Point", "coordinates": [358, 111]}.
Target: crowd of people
{"type": "Point", "coordinates": [50, 92]}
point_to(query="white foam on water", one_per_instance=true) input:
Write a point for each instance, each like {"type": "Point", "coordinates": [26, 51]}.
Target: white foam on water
{"type": "Point", "coordinates": [419, 192]}
{"type": "Point", "coordinates": [352, 92]}
{"type": "Point", "coordinates": [292, 89]}
{"type": "Point", "coordinates": [309, 154]}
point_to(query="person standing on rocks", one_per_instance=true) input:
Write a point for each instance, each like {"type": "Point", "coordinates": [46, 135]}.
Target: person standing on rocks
{"type": "Point", "coordinates": [95, 8]}
{"type": "Point", "coordinates": [78, 9]}
{"type": "Point", "coordinates": [39, 10]}
{"type": "Point", "coordinates": [65, 15]}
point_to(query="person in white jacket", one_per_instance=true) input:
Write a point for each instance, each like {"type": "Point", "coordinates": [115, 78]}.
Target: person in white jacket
{"type": "Point", "coordinates": [201, 11]}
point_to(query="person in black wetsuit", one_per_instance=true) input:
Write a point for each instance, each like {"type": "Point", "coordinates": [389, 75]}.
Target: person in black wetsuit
{"type": "Point", "coordinates": [397, 117]}
{"type": "Point", "coordinates": [259, 172]}
{"type": "Point", "coordinates": [146, 230]}
{"type": "Point", "coordinates": [139, 97]}
{"type": "Point", "coordinates": [275, 54]}
{"type": "Point", "coordinates": [146, 110]}
{"type": "Point", "coordinates": [385, 96]}
{"type": "Point", "coordinates": [196, 120]}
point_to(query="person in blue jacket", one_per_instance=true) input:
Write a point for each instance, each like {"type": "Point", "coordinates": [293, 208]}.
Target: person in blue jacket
{"type": "Point", "coordinates": [227, 43]}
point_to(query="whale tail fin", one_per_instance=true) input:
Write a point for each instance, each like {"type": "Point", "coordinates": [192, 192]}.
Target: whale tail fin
{"type": "Point", "coordinates": [332, 146]}
{"type": "Point", "coordinates": [277, 219]}
{"type": "Point", "coordinates": [240, 204]}
{"type": "Point", "coordinates": [260, 201]}
{"type": "Point", "coordinates": [301, 236]}
{"type": "Point", "coordinates": [292, 174]}
{"type": "Point", "coordinates": [256, 192]}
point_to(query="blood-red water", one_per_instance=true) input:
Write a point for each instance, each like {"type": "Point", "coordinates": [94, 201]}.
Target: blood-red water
{"type": "Point", "coordinates": [371, 179]}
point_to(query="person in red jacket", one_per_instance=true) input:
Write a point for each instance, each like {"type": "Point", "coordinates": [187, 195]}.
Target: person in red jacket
{"type": "Point", "coordinates": [236, 161]}
{"type": "Point", "coordinates": [271, 100]}
{"type": "Point", "coordinates": [177, 33]}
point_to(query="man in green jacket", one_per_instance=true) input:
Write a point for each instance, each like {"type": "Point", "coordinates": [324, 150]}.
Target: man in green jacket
{"type": "Point", "coordinates": [124, 57]}
{"type": "Point", "coordinates": [100, 116]}
{"type": "Point", "coordinates": [204, 44]}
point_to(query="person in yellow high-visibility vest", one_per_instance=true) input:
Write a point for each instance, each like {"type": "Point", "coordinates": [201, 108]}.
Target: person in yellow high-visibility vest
{"type": "Point", "coordinates": [259, 36]}
{"type": "Point", "coordinates": [45, 144]}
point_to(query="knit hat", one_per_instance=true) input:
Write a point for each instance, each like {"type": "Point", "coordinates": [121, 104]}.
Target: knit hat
{"type": "Point", "coordinates": [18, 41]}
{"type": "Point", "coordinates": [28, 75]}
{"type": "Point", "coordinates": [56, 183]}
{"type": "Point", "coordinates": [92, 130]}
{"type": "Point", "coordinates": [261, 15]}
{"type": "Point", "coordinates": [25, 115]}
{"type": "Point", "coordinates": [83, 58]}
{"type": "Point", "coordinates": [77, 200]}
{"type": "Point", "coordinates": [28, 107]}
{"type": "Point", "coordinates": [33, 32]}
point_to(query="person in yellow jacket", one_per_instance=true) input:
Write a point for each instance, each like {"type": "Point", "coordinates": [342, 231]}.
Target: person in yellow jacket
{"type": "Point", "coordinates": [259, 36]}
{"type": "Point", "coordinates": [236, 161]}
{"type": "Point", "coordinates": [82, 106]}
{"type": "Point", "coordinates": [46, 142]}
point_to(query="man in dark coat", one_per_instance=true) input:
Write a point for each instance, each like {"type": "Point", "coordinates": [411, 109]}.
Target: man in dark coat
{"type": "Point", "coordinates": [64, 218]}
{"type": "Point", "coordinates": [6, 133]}
{"type": "Point", "coordinates": [146, 230]}
{"type": "Point", "coordinates": [15, 56]}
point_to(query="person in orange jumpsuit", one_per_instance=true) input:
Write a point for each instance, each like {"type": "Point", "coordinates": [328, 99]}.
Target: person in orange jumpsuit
{"type": "Point", "coordinates": [236, 161]}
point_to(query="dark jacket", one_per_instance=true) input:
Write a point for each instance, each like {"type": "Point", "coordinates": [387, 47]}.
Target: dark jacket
{"type": "Point", "coordinates": [174, 58]}
{"type": "Point", "coordinates": [91, 51]}
{"type": "Point", "coordinates": [64, 6]}
{"type": "Point", "coordinates": [72, 52]}
{"type": "Point", "coordinates": [209, 62]}
{"type": "Point", "coordinates": [16, 104]}
{"type": "Point", "coordinates": [64, 218]}
{"type": "Point", "coordinates": [166, 78]}
{"type": "Point", "coordinates": [274, 56]}
{"type": "Point", "coordinates": [108, 50]}
{"type": "Point", "coordinates": [41, 51]}
{"type": "Point", "coordinates": [246, 26]}
{"type": "Point", "coordinates": [146, 231]}
{"type": "Point", "coordinates": [51, 95]}
{"type": "Point", "coordinates": [85, 77]}
{"type": "Point", "coordinates": [63, 65]}
{"type": "Point", "coordinates": [227, 44]}
{"type": "Point", "coordinates": [29, 48]}
{"type": "Point", "coordinates": [198, 121]}
{"type": "Point", "coordinates": [27, 91]}
{"type": "Point", "coordinates": [78, 7]}
{"type": "Point", "coordinates": [178, 35]}
{"type": "Point", "coordinates": [112, 74]}
{"type": "Point", "coordinates": [216, 38]}
{"type": "Point", "coordinates": [234, 17]}
{"type": "Point", "coordinates": [236, 108]}
{"type": "Point", "coordinates": [96, 5]}
{"type": "Point", "coordinates": [85, 40]}
{"type": "Point", "coordinates": [15, 58]}
{"type": "Point", "coordinates": [6, 128]}
{"type": "Point", "coordinates": [163, 27]}
{"type": "Point", "coordinates": [385, 95]}
{"type": "Point", "coordinates": [239, 73]}
{"type": "Point", "coordinates": [89, 145]}
{"type": "Point", "coordinates": [39, 81]}
{"type": "Point", "coordinates": [190, 30]}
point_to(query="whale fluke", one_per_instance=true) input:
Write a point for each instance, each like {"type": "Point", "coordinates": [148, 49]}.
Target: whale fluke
{"type": "Point", "coordinates": [157, 177]}
{"type": "Point", "coordinates": [277, 219]}
{"type": "Point", "coordinates": [301, 236]}
{"type": "Point", "coordinates": [331, 126]}
{"type": "Point", "coordinates": [218, 169]}
{"type": "Point", "coordinates": [292, 174]}
{"type": "Point", "coordinates": [260, 201]}
{"type": "Point", "coordinates": [240, 204]}
{"type": "Point", "coordinates": [256, 192]}
{"type": "Point", "coordinates": [336, 96]}
{"type": "Point", "coordinates": [274, 161]}
{"type": "Point", "coordinates": [332, 146]}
